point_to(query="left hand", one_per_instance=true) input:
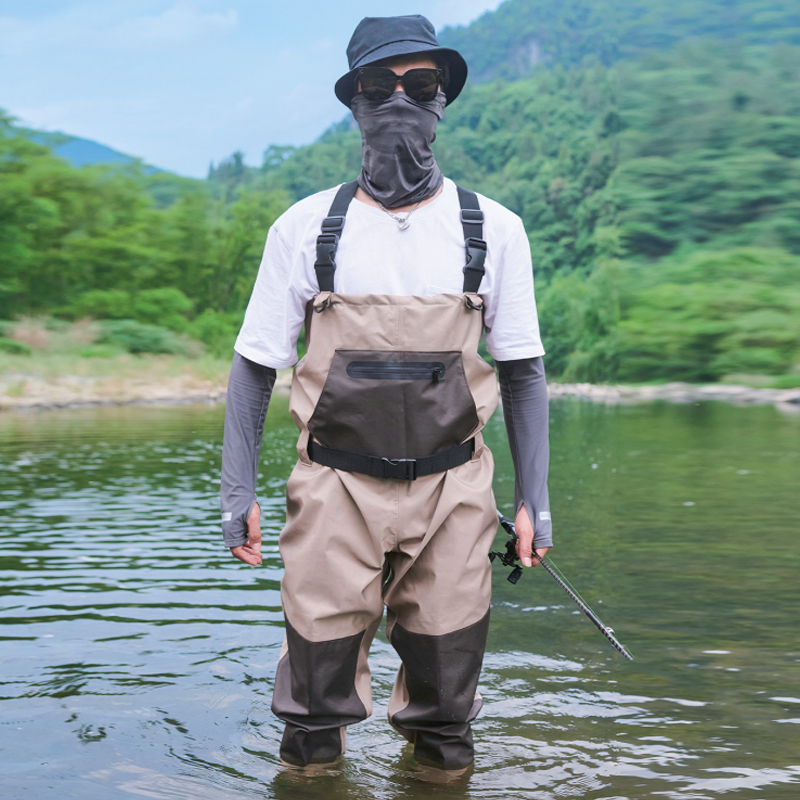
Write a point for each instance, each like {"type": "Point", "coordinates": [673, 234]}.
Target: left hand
{"type": "Point", "coordinates": [525, 538]}
{"type": "Point", "coordinates": [250, 551]}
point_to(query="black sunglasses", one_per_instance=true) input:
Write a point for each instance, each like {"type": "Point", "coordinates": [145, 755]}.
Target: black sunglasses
{"type": "Point", "coordinates": [420, 84]}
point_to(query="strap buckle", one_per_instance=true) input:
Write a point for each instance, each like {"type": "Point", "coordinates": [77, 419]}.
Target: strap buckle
{"type": "Point", "coordinates": [326, 250]}
{"type": "Point", "coordinates": [321, 302]}
{"type": "Point", "coordinates": [333, 225]}
{"type": "Point", "coordinates": [403, 469]}
{"type": "Point", "coordinates": [476, 255]}
{"type": "Point", "coordinates": [474, 268]}
{"type": "Point", "coordinates": [328, 239]}
{"type": "Point", "coordinates": [472, 216]}
{"type": "Point", "coordinates": [472, 243]}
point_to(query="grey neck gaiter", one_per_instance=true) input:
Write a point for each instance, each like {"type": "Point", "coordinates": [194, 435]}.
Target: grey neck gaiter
{"type": "Point", "coordinates": [398, 167]}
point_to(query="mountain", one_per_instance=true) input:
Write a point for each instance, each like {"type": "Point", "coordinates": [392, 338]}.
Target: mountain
{"type": "Point", "coordinates": [83, 152]}
{"type": "Point", "coordinates": [661, 197]}
{"type": "Point", "coordinates": [655, 165]}
{"type": "Point", "coordinates": [163, 186]}
{"type": "Point", "coordinates": [521, 34]}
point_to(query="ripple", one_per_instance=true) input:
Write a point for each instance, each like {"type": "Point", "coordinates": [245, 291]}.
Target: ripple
{"type": "Point", "coordinates": [139, 657]}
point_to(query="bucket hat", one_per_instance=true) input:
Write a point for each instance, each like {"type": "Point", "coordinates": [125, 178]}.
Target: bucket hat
{"type": "Point", "coordinates": [376, 38]}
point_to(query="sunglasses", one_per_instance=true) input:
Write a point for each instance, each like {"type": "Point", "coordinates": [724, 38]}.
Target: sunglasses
{"type": "Point", "coordinates": [378, 83]}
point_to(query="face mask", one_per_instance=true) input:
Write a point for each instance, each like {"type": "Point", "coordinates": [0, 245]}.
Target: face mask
{"type": "Point", "coordinates": [398, 167]}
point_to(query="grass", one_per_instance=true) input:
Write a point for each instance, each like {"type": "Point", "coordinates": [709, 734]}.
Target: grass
{"type": "Point", "coordinates": [51, 366]}
{"type": "Point", "coordinates": [59, 363]}
{"type": "Point", "coordinates": [62, 379]}
{"type": "Point", "coordinates": [65, 364]}
{"type": "Point", "coordinates": [763, 381]}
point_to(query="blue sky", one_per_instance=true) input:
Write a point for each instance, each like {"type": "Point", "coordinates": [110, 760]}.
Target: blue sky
{"type": "Point", "coordinates": [181, 83]}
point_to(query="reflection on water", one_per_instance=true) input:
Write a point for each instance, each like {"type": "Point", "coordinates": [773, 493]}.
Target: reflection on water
{"type": "Point", "coordinates": [138, 656]}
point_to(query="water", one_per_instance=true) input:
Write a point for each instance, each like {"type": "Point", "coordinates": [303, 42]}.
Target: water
{"type": "Point", "coordinates": [138, 656]}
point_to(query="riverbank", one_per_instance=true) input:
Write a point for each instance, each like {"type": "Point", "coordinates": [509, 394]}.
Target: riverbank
{"type": "Point", "coordinates": [785, 399]}
{"type": "Point", "coordinates": [61, 382]}
{"type": "Point", "coordinates": [56, 381]}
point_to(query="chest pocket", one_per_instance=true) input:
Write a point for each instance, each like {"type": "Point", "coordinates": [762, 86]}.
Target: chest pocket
{"type": "Point", "coordinates": [391, 404]}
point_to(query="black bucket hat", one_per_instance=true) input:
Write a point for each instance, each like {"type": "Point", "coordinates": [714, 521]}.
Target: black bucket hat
{"type": "Point", "coordinates": [377, 38]}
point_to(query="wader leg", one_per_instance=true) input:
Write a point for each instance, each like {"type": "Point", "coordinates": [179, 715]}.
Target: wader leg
{"type": "Point", "coordinates": [435, 693]}
{"type": "Point", "coordinates": [316, 694]}
{"type": "Point", "coordinates": [331, 593]}
{"type": "Point", "coordinates": [438, 602]}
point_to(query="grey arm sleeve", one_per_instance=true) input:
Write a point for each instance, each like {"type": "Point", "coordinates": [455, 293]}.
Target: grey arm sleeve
{"type": "Point", "coordinates": [249, 389]}
{"type": "Point", "coordinates": [523, 389]}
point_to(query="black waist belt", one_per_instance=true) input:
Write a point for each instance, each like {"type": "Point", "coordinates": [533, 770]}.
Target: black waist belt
{"type": "Point", "coordinates": [404, 469]}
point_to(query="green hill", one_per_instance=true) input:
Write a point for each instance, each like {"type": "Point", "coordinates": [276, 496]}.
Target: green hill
{"type": "Point", "coordinates": [522, 34]}
{"type": "Point", "coordinates": [165, 187]}
{"type": "Point", "coordinates": [154, 256]}
{"type": "Point", "coordinates": [81, 152]}
{"type": "Point", "coordinates": [623, 175]}
{"type": "Point", "coordinates": [658, 180]}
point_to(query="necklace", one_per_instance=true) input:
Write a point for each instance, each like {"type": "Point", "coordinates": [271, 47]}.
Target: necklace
{"type": "Point", "coordinates": [401, 221]}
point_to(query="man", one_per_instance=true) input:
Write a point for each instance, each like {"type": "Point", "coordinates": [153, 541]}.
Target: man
{"type": "Point", "coordinates": [395, 277]}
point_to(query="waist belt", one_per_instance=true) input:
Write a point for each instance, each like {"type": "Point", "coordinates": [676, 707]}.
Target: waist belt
{"type": "Point", "coordinates": [404, 469]}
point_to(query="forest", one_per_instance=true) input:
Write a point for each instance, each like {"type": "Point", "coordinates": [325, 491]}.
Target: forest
{"type": "Point", "coordinates": [157, 259]}
{"type": "Point", "coordinates": [657, 174]}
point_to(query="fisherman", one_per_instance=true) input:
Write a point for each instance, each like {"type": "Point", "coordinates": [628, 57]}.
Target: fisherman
{"type": "Point", "coordinates": [396, 276]}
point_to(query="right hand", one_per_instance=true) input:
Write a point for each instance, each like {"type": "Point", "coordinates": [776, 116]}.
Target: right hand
{"type": "Point", "coordinates": [250, 551]}
{"type": "Point", "coordinates": [524, 530]}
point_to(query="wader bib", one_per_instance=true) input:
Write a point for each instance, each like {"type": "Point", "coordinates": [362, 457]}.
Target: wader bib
{"type": "Point", "coordinates": [390, 504]}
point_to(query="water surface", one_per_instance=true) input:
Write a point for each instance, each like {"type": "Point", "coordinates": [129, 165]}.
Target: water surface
{"type": "Point", "coordinates": [138, 656]}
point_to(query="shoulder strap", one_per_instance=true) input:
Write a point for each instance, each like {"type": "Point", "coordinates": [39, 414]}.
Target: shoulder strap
{"type": "Point", "coordinates": [328, 239]}
{"type": "Point", "coordinates": [472, 223]}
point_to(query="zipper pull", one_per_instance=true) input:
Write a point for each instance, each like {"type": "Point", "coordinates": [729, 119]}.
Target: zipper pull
{"type": "Point", "coordinates": [437, 373]}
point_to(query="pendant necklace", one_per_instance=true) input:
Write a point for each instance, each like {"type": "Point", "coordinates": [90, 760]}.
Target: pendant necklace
{"type": "Point", "coordinates": [401, 221]}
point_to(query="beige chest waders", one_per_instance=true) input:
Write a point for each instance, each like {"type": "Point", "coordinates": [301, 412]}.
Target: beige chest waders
{"type": "Point", "coordinates": [389, 504]}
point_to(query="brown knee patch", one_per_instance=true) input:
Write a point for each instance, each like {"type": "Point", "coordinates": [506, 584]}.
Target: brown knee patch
{"type": "Point", "coordinates": [315, 683]}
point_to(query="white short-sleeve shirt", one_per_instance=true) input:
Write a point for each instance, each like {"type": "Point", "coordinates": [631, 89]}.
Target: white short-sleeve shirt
{"type": "Point", "coordinates": [376, 257]}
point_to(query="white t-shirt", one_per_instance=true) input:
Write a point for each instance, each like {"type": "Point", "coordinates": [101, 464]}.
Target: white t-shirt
{"type": "Point", "coordinates": [376, 257]}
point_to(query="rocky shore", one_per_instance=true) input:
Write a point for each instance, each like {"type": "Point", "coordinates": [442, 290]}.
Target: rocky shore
{"type": "Point", "coordinates": [785, 399]}
{"type": "Point", "coordinates": [20, 392]}
{"type": "Point", "coordinates": [35, 394]}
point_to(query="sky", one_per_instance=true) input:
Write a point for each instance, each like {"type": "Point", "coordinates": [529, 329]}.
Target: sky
{"type": "Point", "coordinates": [182, 83]}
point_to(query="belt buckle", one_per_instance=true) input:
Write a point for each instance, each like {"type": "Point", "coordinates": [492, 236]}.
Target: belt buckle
{"type": "Point", "coordinates": [403, 469]}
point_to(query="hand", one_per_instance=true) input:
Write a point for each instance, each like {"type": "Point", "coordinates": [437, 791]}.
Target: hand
{"type": "Point", "coordinates": [250, 551]}
{"type": "Point", "coordinates": [525, 538]}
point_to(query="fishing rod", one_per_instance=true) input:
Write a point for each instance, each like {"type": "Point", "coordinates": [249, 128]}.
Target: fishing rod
{"type": "Point", "coordinates": [509, 559]}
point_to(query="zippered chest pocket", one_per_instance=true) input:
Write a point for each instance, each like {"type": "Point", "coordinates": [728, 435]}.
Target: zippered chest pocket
{"type": "Point", "coordinates": [394, 404]}
{"type": "Point", "coordinates": [397, 370]}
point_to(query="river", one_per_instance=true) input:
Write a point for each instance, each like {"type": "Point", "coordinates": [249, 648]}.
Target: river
{"type": "Point", "coordinates": [138, 656]}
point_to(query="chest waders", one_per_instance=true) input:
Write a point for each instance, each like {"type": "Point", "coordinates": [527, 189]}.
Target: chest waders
{"type": "Point", "coordinates": [389, 504]}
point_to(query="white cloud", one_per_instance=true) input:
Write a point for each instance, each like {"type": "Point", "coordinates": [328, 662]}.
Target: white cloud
{"type": "Point", "coordinates": [181, 82]}
{"type": "Point", "coordinates": [458, 12]}
{"type": "Point", "coordinates": [177, 25]}
{"type": "Point", "coordinates": [93, 28]}
{"type": "Point", "coordinates": [94, 119]}
{"type": "Point", "coordinates": [15, 35]}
